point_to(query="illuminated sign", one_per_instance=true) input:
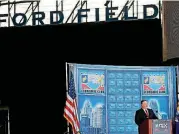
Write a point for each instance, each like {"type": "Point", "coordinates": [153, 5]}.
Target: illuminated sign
{"type": "Point", "coordinates": [38, 17]}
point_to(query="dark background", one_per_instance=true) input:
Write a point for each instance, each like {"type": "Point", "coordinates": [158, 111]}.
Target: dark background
{"type": "Point", "coordinates": [33, 64]}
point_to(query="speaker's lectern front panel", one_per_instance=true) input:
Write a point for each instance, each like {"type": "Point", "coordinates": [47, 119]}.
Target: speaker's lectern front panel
{"type": "Point", "coordinates": [162, 126]}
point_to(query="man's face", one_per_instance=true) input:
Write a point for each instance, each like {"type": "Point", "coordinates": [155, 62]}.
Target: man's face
{"type": "Point", "coordinates": [144, 104]}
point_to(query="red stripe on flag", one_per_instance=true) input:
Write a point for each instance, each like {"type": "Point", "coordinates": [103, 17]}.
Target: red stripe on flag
{"type": "Point", "coordinates": [71, 115]}
{"type": "Point", "coordinates": [71, 103]}
{"type": "Point", "coordinates": [70, 121]}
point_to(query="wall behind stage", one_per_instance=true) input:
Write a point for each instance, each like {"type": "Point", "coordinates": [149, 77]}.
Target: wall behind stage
{"type": "Point", "coordinates": [125, 41]}
{"type": "Point", "coordinates": [33, 65]}
{"type": "Point", "coordinates": [108, 96]}
{"type": "Point", "coordinates": [170, 29]}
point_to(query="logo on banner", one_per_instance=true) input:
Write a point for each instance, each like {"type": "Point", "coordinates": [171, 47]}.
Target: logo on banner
{"type": "Point", "coordinates": [92, 83]}
{"type": "Point", "coordinates": [154, 84]}
{"type": "Point", "coordinates": [161, 127]}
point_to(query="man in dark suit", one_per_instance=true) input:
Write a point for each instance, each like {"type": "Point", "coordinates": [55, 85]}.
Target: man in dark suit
{"type": "Point", "coordinates": [144, 113]}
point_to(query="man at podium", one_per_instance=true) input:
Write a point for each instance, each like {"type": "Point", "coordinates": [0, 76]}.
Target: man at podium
{"type": "Point", "coordinates": [144, 113]}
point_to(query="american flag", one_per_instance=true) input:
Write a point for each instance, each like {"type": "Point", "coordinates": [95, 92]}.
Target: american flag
{"type": "Point", "coordinates": [70, 111]}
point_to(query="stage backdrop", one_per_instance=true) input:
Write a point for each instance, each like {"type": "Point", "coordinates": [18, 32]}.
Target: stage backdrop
{"type": "Point", "coordinates": [108, 96]}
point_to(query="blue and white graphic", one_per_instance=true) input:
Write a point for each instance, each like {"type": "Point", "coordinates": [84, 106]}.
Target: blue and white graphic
{"type": "Point", "coordinates": [123, 100]}
{"type": "Point", "coordinates": [159, 104]}
{"type": "Point", "coordinates": [154, 83]}
{"type": "Point", "coordinates": [108, 96]}
{"type": "Point", "coordinates": [91, 81]}
{"type": "Point", "coordinates": [92, 114]}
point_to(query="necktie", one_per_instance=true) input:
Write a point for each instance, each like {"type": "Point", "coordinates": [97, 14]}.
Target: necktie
{"type": "Point", "coordinates": [146, 112]}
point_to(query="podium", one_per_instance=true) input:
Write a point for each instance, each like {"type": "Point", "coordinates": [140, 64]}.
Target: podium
{"type": "Point", "coordinates": [156, 127]}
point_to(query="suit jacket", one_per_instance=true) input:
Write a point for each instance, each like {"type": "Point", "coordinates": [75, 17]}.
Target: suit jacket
{"type": "Point", "coordinates": [141, 116]}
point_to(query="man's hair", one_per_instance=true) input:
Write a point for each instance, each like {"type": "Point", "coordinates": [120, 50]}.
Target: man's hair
{"type": "Point", "coordinates": [143, 101]}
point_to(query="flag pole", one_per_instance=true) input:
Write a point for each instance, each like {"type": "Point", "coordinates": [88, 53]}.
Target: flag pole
{"type": "Point", "coordinates": [68, 129]}
{"type": "Point", "coordinates": [8, 122]}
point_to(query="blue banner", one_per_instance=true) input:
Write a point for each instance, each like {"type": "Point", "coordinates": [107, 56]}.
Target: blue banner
{"type": "Point", "coordinates": [108, 96]}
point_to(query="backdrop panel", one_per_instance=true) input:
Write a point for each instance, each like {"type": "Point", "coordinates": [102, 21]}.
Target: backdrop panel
{"type": "Point", "coordinates": [108, 96]}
